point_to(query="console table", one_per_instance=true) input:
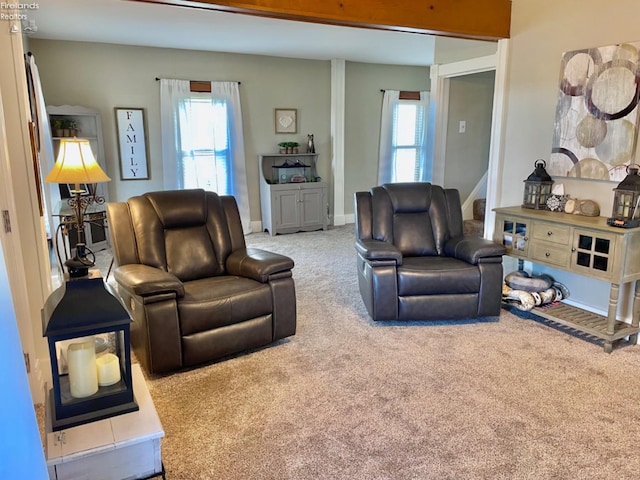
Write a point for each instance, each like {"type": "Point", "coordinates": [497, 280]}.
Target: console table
{"type": "Point", "coordinates": [582, 245]}
{"type": "Point", "coordinates": [122, 447]}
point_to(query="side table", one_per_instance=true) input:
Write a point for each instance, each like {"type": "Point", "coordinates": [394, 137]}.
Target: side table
{"type": "Point", "coordinates": [122, 447]}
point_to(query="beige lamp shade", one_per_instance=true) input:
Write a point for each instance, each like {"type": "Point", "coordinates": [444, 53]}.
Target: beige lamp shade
{"type": "Point", "coordinates": [76, 164]}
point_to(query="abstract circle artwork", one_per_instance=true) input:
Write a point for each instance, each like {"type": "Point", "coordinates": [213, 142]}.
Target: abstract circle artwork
{"type": "Point", "coordinates": [596, 120]}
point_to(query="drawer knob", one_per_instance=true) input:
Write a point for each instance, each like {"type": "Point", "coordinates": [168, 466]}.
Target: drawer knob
{"type": "Point", "coordinates": [549, 233]}
{"type": "Point", "coordinates": [547, 254]}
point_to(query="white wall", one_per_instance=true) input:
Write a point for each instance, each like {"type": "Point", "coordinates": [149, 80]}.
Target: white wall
{"type": "Point", "coordinates": [541, 30]}
{"type": "Point", "coordinates": [21, 452]}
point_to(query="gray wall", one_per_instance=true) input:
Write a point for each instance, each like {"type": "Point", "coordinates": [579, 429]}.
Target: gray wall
{"type": "Point", "coordinates": [362, 123]}
{"type": "Point", "coordinates": [105, 76]}
{"type": "Point", "coordinates": [467, 157]}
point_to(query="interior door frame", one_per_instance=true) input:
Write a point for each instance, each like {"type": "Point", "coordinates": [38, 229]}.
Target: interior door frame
{"type": "Point", "coordinates": [438, 117]}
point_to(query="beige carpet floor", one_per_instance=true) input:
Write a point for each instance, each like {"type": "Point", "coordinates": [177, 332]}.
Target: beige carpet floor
{"type": "Point", "coordinates": [347, 398]}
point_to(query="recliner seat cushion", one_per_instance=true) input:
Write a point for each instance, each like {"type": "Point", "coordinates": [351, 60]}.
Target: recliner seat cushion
{"type": "Point", "coordinates": [437, 276]}
{"type": "Point", "coordinates": [219, 301]}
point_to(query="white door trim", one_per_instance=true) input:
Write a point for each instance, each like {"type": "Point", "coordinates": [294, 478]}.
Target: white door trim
{"type": "Point", "coordinates": [440, 77]}
{"type": "Point", "coordinates": [338, 73]}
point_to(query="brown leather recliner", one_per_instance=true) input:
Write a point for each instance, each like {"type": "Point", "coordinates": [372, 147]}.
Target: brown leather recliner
{"type": "Point", "coordinates": [194, 290]}
{"type": "Point", "coordinates": [414, 263]}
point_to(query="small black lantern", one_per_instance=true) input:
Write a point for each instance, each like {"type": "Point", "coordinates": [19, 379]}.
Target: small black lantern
{"type": "Point", "coordinates": [626, 200]}
{"type": "Point", "coordinates": [88, 332]}
{"type": "Point", "coordinates": [537, 187]}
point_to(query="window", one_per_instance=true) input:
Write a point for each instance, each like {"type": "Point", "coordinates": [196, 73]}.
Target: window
{"type": "Point", "coordinates": [407, 141]}
{"type": "Point", "coordinates": [205, 146]}
{"type": "Point", "coordinates": [404, 155]}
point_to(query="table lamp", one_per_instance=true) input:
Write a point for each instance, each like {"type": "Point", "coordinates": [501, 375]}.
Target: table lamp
{"type": "Point", "coordinates": [76, 165]}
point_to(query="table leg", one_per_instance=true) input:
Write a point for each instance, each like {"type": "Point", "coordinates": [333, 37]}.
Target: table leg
{"type": "Point", "coordinates": [635, 312]}
{"type": "Point", "coordinates": [612, 315]}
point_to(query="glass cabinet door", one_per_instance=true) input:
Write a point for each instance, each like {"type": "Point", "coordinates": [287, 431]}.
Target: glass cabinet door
{"type": "Point", "coordinates": [593, 253]}
{"type": "Point", "coordinates": [515, 236]}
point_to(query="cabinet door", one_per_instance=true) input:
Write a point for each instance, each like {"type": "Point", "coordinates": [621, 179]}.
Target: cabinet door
{"type": "Point", "coordinates": [514, 235]}
{"type": "Point", "coordinates": [286, 209]}
{"type": "Point", "coordinates": [593, 253]}
{"type": "Point", "coordinates": [311, 207]}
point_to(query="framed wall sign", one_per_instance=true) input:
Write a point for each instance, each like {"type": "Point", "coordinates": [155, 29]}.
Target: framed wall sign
{"type": "Point", "coordinates": [132, 143]}
{"type": "Point", "coordinates": [286, 120]}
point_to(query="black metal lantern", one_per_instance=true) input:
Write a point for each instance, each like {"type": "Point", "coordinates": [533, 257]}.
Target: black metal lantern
{"type": "Point", "coordinates": [88, 332]}
{"type": "Point", "coordinates": [537, 187]}
{"type": "Point", "coordinates": [626, 200]}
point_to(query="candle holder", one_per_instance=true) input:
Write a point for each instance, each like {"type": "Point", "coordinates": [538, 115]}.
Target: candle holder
{"type": "Point", "coordinates": [88, 332]}
{"type": "Point", "coordinates": [626, 200]}
{"type": "Point", "coordinates": [537, 187]}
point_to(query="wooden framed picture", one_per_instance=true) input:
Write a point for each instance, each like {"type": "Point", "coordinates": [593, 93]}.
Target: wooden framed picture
{"type": "Point", "coordinates": [286, 120]}
{"type": "Point", "coordinates": [132, 143]}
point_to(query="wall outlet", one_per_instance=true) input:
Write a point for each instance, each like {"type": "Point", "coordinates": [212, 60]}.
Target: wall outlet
{"type": "Point", "coordinates": [463, 126]}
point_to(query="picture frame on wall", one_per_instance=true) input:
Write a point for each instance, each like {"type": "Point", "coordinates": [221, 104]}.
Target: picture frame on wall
{"type": "Point", "coordinates": [286, 120]}
{"type": "Point", "coordinates": [132, 143]}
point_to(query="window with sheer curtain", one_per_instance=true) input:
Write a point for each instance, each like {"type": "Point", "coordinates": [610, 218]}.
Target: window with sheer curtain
{"type": "Point", "coordinates": [203, 141]}
{"type": "Point", "coordinates": [403, 134]}
{"type": "Point", "coordinates": [205, 147]}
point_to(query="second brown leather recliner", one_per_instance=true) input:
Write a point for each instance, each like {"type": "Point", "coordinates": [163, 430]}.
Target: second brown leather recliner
{"type": "Point", "coordinates": [195, 292]}
{"type": "Point", "coordinates": [414, 263]}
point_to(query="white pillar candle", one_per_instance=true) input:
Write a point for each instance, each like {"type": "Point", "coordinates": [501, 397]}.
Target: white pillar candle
{"type": "Point", "coordinates": [108, 366]}
{"type": "Point", "coordinates": [81, 360]}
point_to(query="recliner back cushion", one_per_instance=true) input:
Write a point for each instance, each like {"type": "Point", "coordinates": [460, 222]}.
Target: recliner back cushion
{"type": "Point", "coordinates": [190, 253]}
{"type": "Point", "coordinates": [412, 216]}
{"type": "Point", "coordinates": [183, 232]}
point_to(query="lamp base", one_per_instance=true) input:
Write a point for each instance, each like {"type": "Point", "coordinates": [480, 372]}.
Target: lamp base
{"type": "Point", "coordinates": [79, 265]}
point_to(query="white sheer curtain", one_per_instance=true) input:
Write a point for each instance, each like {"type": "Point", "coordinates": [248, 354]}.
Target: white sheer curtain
{"type": "Point", "coordinates": [390, 99]}
{"type": "Point", "coordinates": [182, 146]}
{"type": "Point", "coordinates": [45, 144]}
{"type": "Point", "coordinates": [174, 94]}
{"type": "Point", "coordinates": [388, 122]}
{"type": "Point", "coordinates": [230, 92]}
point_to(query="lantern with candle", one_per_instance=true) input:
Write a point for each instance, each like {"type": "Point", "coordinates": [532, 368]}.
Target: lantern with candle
{"type": "Point", "coordinates": [537, 187]}
{"type": "Point", "coordinates": [88, 331]}
{"type": "Point", "coordinates": [626, 200]}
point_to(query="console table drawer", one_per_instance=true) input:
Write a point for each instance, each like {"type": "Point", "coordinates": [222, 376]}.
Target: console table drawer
{"type": "Point", "coordinates": [552, 233]}
{"type": "Point", "coordinates": [545, 253]}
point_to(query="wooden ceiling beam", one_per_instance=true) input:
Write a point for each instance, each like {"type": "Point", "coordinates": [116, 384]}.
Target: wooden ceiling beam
{"type": "Point", "coordinates": [471, 19]}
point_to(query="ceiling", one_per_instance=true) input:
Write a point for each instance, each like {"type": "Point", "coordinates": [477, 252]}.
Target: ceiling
{"type": "Point", "coordinates": [148, 24]}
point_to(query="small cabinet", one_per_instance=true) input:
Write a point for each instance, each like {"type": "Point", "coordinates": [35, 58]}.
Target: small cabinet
{"type": "Point", "coordinates": [292, 206]}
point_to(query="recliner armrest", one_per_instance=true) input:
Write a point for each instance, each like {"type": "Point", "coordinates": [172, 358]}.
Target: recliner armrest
{"type": "Point", "coordinates": [144, 281]}
{"type": "Point", "coordinates": [378, 250]}
{"type": "Point", "coordinates": [473, 249]}
{"type": "Point", "coordinates": [258, 264]}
